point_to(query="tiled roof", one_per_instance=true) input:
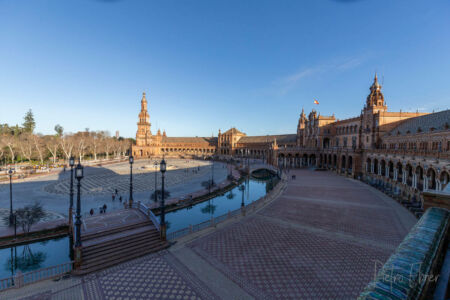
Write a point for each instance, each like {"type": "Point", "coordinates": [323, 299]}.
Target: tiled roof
{"type": "Point", "coordinates": [281, 139]}
{"type": "Point", "coordinates": [437, 121]}
{"type": "Point", "coordinates": [189, 140]}
{"type": "Point", "coordinates": [233, 131]}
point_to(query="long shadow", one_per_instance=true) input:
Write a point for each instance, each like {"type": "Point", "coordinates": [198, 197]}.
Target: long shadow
{"type": "Point", "coordinates": [98, 182]}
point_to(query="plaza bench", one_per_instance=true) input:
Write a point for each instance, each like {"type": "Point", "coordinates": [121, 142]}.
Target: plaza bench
{"type": "Point", "coordinates": [412, 271]}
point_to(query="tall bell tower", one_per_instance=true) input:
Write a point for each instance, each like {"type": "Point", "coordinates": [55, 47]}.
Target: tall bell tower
{"type": "Point", "coordinates": [143, 134]}
{"type": "Point", "coordinates": [375, 106]}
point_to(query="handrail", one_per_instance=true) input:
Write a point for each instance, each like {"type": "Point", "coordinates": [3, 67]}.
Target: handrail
{"type": "Point", "coordinates": [21, 279]}
{"type": "Point", "coordinates": [148, 212]}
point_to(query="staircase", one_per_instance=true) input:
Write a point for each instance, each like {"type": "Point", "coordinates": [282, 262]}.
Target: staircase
{"type": "Point", "coordinates": [114, 245]}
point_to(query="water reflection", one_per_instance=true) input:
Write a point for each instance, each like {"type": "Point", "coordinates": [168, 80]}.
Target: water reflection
{"type": "Point", "coordinates": [252, 189]}
{"type": "Point", "coordinates": [33, 256]}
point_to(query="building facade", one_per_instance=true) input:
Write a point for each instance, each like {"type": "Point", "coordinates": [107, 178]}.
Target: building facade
{"type": "Point", "coordinates": [409, 151]}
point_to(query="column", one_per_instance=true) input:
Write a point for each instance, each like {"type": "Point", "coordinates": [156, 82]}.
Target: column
{"type": "Point", "coordinates": [386, 174]}
{"type": "Point", "coordinates": [425, 183]}
{"type": "Point", "coordinates": [404, 177]}
{"type": "Point", "coordinates": [414, 180]}
{"type": "Point", "coordinates": [395, 174]}
{"type": "Point", "coordinates": [372, 167]}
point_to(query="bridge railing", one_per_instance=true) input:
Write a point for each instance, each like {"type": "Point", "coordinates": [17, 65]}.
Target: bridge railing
{"type": "Point", "coordinates": [148, 212]}
{"type": "Point", "coordinates": [21, 279]}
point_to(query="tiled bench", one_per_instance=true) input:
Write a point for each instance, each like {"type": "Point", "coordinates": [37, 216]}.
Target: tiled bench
{"type": "Point", "coordinates": [410, 273]}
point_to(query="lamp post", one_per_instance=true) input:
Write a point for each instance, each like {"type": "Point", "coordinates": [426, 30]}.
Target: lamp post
{"type": "Point", "coordinates": [156, 180]}
{"type": "Point", "coordinates": [242, 189]}
{"type": "Point", "coordinates": [71, 164]}
{"type": "Point", "coordinates": [212, 172]}
{"type": "Point", "coordinates": [131, 159]}
{"type": "Point", "coordinates": [162, 167]}
{"type": "Point", "coordinates": [11, 215]}
{"type": "Point", "coordinates": [79, 175]}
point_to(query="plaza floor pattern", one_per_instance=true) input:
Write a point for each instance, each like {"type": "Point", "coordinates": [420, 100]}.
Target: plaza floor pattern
{"type": "Point", "coordinates": [321, 239]}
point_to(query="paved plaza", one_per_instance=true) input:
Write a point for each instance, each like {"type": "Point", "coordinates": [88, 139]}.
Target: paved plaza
{"type": "Point", "coordinates": [320, 239]}
{"type": "Point", "coordinates": [182, 177]}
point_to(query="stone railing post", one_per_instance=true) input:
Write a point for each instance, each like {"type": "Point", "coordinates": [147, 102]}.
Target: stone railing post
{"type": "Point", "coordinates": [18, 280]}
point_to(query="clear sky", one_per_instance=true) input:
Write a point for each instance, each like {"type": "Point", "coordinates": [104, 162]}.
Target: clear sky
{"type": "Point", "coordinates": [212, 64]}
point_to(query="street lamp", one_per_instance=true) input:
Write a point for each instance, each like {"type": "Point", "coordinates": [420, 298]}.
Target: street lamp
{"type": "Point", "coordinates": [156, 180]}
{"type": "Point", "coordinates": [79, 175]}
{"type": "Point", "coordinates": [212, 172]}
{"type": "Point", "coordinates": [11, 215]}
{"type": "Point", "coordinates": [162, 167]}
{"type": "Point", "coordinates": [131, 159]}
{"type": "Point", "coordinates": [71, 164]}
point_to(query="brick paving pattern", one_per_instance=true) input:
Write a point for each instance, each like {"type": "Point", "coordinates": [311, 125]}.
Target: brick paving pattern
{"type": "Point", "coordinates": [321, 239]}
{"type": "Point", "coordinates": [273, 258]}
{"type": "Point", "coordinates": [157, 276]}
{"type": "Point", "coordinates": [106, 179]}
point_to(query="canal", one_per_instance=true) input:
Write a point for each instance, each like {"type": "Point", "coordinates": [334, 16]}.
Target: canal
{"type": "Point", "coordinates": [38, 255]}
{"type": "Point", "coordinates": [229, 201]}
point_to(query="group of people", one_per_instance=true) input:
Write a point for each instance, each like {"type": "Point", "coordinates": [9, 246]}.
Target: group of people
{"type": "Point", "coordinates": [101, 209]}
{"type": "Point", "coordinates": [116, 193]}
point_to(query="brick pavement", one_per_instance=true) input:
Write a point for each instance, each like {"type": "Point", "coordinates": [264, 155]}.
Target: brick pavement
{"type": "Point", "coordinates": [319, 240]}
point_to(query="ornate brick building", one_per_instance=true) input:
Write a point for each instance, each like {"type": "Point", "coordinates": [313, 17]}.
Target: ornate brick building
{"type": "Point", "coordinates": [410, 151]}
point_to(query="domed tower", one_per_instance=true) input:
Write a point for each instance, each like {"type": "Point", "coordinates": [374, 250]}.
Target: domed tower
{"type": "Point", "coordinates": [143, 134]}
{"type": "Point", "coordinates": [375, 106]}
{"type": "Point", "coordinates": [375, 100]}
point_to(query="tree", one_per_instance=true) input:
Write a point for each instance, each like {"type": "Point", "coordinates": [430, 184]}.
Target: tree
{"type": "Point", "coordinates": [59, 130]}
{"type": "Point", "coordinates": [2, 147]}
{"type": "Point", "coordinates": [27, 216]}
{"type": "Point", "coordinates": [11, 142]}
{"type": "Point", "coordinates": [40, 146]}
{"type": "Point", "coordinates": [52, 144]}
{"type": "Point", "coordinates": [26, 145]}
{"type": "Point", "coordinates": [29, 124]}
{"type": "Point", "coordinates": [66, 143]}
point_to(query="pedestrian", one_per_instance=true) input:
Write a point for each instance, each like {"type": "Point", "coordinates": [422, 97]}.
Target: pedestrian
{"type": "Point", "coordinates": [113, 197]}
{"type": "Point", "coordinates": [116, 191]}
{"type": "Point", "coordinates": [91, 212]}
{"type": "Point", "coordinates": [104, 207]}
{"type": "Point", "coordinates": [120, 199]}
{"type": "Point", "coordinates": [100, 209]}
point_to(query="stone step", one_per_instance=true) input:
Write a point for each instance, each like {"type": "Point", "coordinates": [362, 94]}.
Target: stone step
{"type": "Point", "coordinates": [119, 236]}
{"type": "Point", "coordinates": [122, 256]}
{"type": "Point", "coordinates": [87, 236]}
{"type": "Point", "coordinates": [90, 254]}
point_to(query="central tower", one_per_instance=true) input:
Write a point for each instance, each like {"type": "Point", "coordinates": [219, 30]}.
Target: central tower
{"type": "Point", "coordinates": [143, 134]}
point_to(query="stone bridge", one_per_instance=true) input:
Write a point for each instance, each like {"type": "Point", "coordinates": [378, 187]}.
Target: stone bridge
{"type": "Point", "coordinates": [260, 166]}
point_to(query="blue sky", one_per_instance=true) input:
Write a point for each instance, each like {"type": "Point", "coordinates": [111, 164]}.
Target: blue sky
{"type": "Point", "coordinates": [210, 64]}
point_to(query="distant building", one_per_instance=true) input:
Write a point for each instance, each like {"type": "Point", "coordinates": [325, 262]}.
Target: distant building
{"type": "Point", "coordinates": [408, 150]}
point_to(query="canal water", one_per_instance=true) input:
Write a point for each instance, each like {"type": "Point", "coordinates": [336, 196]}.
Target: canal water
{"type": "Point", "coordinates": [33, 256]}
{"type": "Point", "coordinates": [229, 201]}
{"type": "Point", "coordinates": [53, 252]}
